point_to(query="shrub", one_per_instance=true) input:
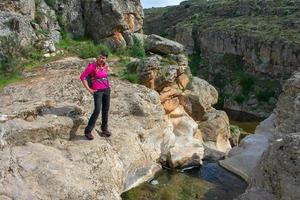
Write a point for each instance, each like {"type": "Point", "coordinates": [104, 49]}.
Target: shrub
{"type": "Point", "coordinates": [137, 50]}
{"type": "Point", "coordinates": [10, 61]}
{"type": "Point", "coordinates": [131, 77]}
{"type": "Point", "coordinates": [235, 132]}
{"type": "Point", "coordinates": [194, 63]}
{"type": "Point", "coordinates": [240, 99]}
{"type": "Point", "coordinates": [265, 95]}
{"type": "Point", "coordinates": [247, 83]}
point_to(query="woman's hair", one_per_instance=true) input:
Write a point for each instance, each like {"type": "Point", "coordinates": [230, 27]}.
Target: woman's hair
{"type": "Point", "coordinates": [104, 53]}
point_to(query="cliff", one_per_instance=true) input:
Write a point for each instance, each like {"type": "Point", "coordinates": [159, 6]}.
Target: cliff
{"type": "Point", "coordinates": [245, 49]}
{"type": "Point", "coordinates": [269, 159]}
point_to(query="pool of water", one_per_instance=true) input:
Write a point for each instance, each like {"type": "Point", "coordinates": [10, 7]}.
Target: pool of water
{"type": "Point", "coordinates": [208, 182]}
{"type": "Point", "coordinates": [249, 127]}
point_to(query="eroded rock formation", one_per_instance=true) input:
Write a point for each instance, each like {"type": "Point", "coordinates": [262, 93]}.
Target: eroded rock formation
{"type": "Point", "coordinates": [269, 159]}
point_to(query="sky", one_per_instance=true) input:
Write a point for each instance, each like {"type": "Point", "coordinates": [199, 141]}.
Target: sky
{"type": "Point", "coordinates": [159, 3]}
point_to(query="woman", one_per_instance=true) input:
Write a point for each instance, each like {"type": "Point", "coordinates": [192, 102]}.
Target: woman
{"type": "Point", "coordinates": [100, 88]}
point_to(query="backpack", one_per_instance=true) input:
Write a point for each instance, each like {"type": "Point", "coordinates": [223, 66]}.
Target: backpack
{"type": "Point", "coordinates": [90, 80]}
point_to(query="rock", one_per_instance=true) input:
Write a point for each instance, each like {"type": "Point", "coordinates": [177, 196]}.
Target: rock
{"type": "Point", "coordinates": [168, 93]}
{"type": "Point", "coordinates": [278, 170]}
{"type": "Point", "coordinates": [288, 107]}
{"type": "Point", "coordinates": [191, 155]}
{"type": "Point", "coordinates": [184, 35]}
{"type": "Point", "coordinates": [183, 81]}
{"type": "Point", "coordinates": [256, 194]}
{"type": "Point", "coordinates": [47, 23]}
{"type": "Point", "coordinates": [199, 98]}
{"type": "Point", "coordinates": [154, 182]}
{"type": "Point", "coordinates": [147, 71]}
{"type": "Point", "coordinates": [268, 159]}
{"type": "Point", "coordinates": [115, 18]}
{"type": "Point", "coordinates": [163, 46]}
{"type": "Point", "coordinates": [184, 128]}
{"type": "Point", "coordinates": [16, 28]}
{"type": "Point", "coordinates": [53, 160]}
{"type": "Point", "coordinates": [243, 158]}
{"type": "Point", "coordinates": [171, 104]}
{"type": "Point", "coordinates": [215, 129]}
{"type": "Point", "coordinates": [47, 55]}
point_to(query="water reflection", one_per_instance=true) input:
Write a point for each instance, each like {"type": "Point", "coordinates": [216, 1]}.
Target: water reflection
{"type": "Point", "coordinates": [208, 182]}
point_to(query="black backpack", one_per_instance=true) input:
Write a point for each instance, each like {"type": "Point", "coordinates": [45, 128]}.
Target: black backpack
{"type": "Point", "coordinates": [90, 80]}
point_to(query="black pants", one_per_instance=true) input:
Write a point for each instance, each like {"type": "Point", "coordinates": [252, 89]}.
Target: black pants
{"type": "Point", "coordinates": [100, 97]}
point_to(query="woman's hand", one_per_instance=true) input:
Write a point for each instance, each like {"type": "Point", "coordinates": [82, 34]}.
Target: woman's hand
{"type": "Point", "coordinates": [91, 91]}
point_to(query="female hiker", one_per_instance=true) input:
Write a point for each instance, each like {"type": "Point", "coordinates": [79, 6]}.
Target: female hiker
{"type": "Point", "coordinates": [100, 88]}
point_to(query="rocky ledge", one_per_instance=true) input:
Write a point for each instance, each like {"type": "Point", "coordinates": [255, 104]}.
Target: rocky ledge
{"type": "Point", "coordinates": [270, 159]}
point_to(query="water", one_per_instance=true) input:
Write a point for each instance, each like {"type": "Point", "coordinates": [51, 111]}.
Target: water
{"type": "Point", "coordinates": [249, 126]}
{"type": "Point", "coordinates": [208, 182]}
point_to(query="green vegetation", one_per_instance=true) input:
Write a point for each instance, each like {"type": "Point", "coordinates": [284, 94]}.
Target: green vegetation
{"type": "Point", "coordinates": [264, 94]}
{"type": "Point", "coordinates": [51, 3]}
{"type": "Point", "coordinates": [137, 50]}
{"type": "Point", "coordinates": [6, 79]}
{"type": "Point", "coordinates": [194, 63]}
{"type": "Point", "coordinates": [82, 48]}
{"type": "Point", "coordinates": [240, 99]}
{"type": "Point", "coordinates": [235, 132]}
{"type": "Point", "coordinates": [175, 186]}
{"type": "Point", "coordinates": [267, 22]}
{"type": "Point", "coordinates": [18, 59]}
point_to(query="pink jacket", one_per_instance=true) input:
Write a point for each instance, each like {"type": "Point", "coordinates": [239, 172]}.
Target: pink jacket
{"type": "Point", "coordinates": [91, 69]}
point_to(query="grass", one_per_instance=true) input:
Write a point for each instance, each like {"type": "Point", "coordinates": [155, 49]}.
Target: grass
{"type": "Point", "coordinates": [9, 78]}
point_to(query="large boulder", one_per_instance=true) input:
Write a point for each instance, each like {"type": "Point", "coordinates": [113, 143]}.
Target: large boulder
{"type": "Point", "coordinates": [215, 130]}
{"type": "Point", "coordinates": [42, 122]}
{"type": "Point", "coordinates": [187, 150]}
{"type": "Point", "coordinates": [15, 28]}
{"type": "Point", "coordinates": [288, 107]}
{"type": "Point", "coordinates": [147, 71]}
{"type": "Point", "coordinates": [279, 168]}
{"type": "Point", "coordinates": [199, 98]}
{"type": "Point", "coordinates": [105, 21]}
{"type": "Point", "coordinates": [160, 45]}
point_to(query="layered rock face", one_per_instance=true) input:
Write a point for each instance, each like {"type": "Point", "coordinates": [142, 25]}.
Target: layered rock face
{"type": "Point", "coordinates": [240, 52]}
{"type": "Point", "coordinates": [269, 160]}
{"type": "Point", "coordinates": [40, 23]}
{"type": "Point", "coordinates": [187, 102]}
{"type": "Point", "coordinates": [109, 21]}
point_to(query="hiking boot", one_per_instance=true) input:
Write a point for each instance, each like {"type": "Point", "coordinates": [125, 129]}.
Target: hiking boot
{"type": "Point", "coordinates": [106, 133]}
{"type": "Point", "coordinates": [89, 135]}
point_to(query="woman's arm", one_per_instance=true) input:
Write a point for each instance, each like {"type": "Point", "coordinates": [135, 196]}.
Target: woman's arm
{"type": "Point", "coordinates": [84, 75]}
{"type": "Point", "coordinates": [86, 85]}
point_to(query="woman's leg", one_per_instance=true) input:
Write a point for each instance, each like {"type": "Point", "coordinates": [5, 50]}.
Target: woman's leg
{"type": "Point", "coordinates": [97, 105]}
{"type": "Point", "coordinates": [105, 109]}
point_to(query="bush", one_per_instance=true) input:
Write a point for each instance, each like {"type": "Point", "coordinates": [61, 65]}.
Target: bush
{"type": "Point", "coordinates": [235, 132]}
{"type": "Point", "coordinates": [194, 63]}
{"type": "Point", "coordinates": [131, 77]}
{"type": "Point", "coordinates": [10, 61]}
{"type": "Point", "coordinates": [265, 95]}
{"type": "Point", "coordinates": [240, 99]}
{"type": "Point", "coordinates": [247, 83]}
{"type": "Point", "coordinates": [137, 50]}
